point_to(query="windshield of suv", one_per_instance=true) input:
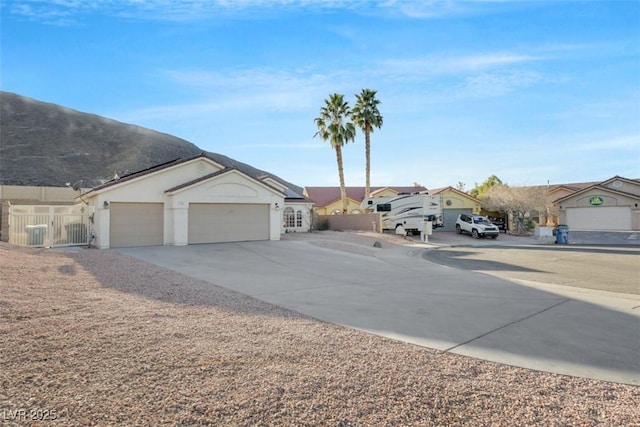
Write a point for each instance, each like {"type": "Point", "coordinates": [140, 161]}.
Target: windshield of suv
{"type": "Point", "coordinates": [481, 220]}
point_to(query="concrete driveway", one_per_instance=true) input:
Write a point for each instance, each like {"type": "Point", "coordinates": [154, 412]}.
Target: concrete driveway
{"type": "Point", "coordinates": [399, 294]}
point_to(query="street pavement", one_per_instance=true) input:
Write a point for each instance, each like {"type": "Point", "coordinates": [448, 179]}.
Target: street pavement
{"type": "Point", "coordinates": [599, 238]}
{"type": "Point", "coordinates": [401, 294]}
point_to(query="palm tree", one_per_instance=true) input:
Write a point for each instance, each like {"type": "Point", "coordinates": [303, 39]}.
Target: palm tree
{"type": "Point", "coordinates": [333, 126]}
{"type": "Point", "coordinates": [367, 117]}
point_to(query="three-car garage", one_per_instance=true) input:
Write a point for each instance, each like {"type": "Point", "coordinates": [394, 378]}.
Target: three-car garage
{"type": "Point", "coordinates": [190, 201]}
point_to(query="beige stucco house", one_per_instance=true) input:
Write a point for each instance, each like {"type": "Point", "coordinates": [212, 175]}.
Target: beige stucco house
{"type": "Point", "coordinates": [612, 205]}
{"type": "Point", "coordinates": [189, 201]}
{"type": "Point", "coordinates": [454, 203]}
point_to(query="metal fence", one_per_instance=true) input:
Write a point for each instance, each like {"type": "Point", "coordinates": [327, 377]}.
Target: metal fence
{"type": "Point", "coordinates": [49, 226]}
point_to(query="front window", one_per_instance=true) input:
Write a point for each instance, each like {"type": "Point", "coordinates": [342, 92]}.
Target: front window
{"type": "Point", "coordinates": [299, 219]}
{"type": "Point", "coordinates": [481, 220]}
{"type": "Point", "coordinates": [289, 217]}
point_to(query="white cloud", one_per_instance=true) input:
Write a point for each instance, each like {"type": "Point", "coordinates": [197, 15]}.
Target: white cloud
{"type": "Point", "coordinates": [488, 85]}
{"type": "Point", "coordinates": [260, 88]}
{"type": "Point", "coordinates": [56, 11]}
{"type": "Point", "coordinates": [621, 143]}
{"type": "Point", "coordinates": [440, 65]}
{"type": "Point", "coordinates": [425, 8]}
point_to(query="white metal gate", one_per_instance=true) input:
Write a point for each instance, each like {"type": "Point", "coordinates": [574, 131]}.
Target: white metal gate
{"type": "Point", "coordinates": [49, 226]}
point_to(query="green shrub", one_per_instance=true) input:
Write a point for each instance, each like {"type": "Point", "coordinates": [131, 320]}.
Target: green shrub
{"type": "Point", "coordinates": [323, 224]}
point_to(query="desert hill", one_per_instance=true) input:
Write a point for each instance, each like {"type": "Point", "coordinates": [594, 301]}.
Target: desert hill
{"type": "Point", "coordinates": [45, 144]}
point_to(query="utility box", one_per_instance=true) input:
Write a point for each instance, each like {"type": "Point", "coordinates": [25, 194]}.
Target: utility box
{"type": "Point", "coordinates": [36, 234]}
{"type": "Point", "coordinates": [426, 230]}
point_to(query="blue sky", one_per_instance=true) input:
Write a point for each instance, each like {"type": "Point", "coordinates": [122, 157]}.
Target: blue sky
{"type": "Point", "coordinates": [528, 91]}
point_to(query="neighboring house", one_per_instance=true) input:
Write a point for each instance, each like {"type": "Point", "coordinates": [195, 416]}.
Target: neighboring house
{"type": "Point", "coordinates": [611, 205]}
{"type": "Point", "coordinates": [327, 200]}
{"type": "Point", "coordinates": [454, 203]}
{"type": "Point", "coordinates": [188, 201]}
{"type": "Point", "coordinates": [554, 192]}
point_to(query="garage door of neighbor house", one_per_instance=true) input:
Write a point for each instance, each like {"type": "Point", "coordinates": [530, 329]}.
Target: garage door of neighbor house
{"type": "Point", "coordinates": [228, 222]}
{"type": "Point", "coordinates": [450, 216]}
{"type": "Point", "coordinates": [136, 224]}
{"type": "Point", "coordinates": [599, 218]}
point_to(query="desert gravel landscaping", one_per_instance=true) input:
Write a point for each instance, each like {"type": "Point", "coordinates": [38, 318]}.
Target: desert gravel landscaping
{"type": "Point", "coordinates": [94, 337]}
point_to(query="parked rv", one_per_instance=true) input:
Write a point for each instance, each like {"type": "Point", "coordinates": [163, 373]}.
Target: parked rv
{"type": "Point", "coordinates": [409, 211]}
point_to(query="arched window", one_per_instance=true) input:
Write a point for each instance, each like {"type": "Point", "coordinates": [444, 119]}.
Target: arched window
{"type": "Point", "coordinates": [336, 212]}
{"type": "Point", "coordinates": [289, 217]}
{"type": "Point", "coordinates": [356, 211]}
{"type": "Point", "coordinates": [299, 219]}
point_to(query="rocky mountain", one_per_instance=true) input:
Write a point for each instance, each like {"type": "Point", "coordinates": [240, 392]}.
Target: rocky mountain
{"type": "Point", "coordinates": [44, 144]}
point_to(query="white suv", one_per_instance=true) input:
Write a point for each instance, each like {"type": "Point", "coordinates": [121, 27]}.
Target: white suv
{"type": "Point", "coordinates": [477, 226]}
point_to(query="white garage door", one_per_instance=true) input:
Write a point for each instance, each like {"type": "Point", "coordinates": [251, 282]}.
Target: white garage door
{"type": "Point", "coordinates": [136, 224]}
{"type": "Point", "coordinates": [228, 222]}
{"type": "Point", "coordinates": [599, 218]}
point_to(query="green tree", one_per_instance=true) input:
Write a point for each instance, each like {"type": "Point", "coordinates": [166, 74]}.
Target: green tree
{"type": "Point", "coordinates": [334, 126]}
{"type": "Point", "coordinates": [367, 117]}
{"type": "Point", "coordinates": [479, 190]}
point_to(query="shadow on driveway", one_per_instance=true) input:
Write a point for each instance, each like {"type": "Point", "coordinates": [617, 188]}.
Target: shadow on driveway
{"type": "Point", "coordinates": [614, 269]}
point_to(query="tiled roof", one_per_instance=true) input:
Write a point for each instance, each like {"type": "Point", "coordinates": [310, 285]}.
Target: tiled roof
{"type": "Point", "coordinates": [437, 191]}
{"type": "Point", "coordinates": [602, 186]}
{"type": "Point", "coordinates": [575, 186]}
{"type": "Point", "coordinates": [323, 196]}
{"type": "Point", "coordinates": [225, 162]}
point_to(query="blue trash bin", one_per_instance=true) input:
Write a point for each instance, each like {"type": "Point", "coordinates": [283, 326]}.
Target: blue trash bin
{"type": "Point", "coordinates": [562, 234]}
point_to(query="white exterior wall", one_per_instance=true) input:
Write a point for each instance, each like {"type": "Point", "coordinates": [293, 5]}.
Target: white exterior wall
{"type": "Point", "coordinates": [231, 187]}
{"type": "Point", "coordinates": [151, 188]}
{"type": "Point", "coordinates": [101, 221]}
{"type": "Point", "coordinates": [306, 209]}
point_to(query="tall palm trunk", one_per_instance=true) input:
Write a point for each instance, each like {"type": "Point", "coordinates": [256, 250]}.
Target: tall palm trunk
{"type": "Point", "coordinates": [367, 151]}
{"type": "Point", "coordinates": [343, 189]}
{"type": "Point", "coordinates": [367, 117]}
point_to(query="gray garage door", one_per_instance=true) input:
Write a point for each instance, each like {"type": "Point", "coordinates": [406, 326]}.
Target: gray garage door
{"type": "Point", "coordinates": [228, 222]}
{"type": "Point", "coordinates": [599, 218]}
{"type": "Point", "coordinates": [136, 224]}
{"type": "Point", "coordinates": [450, 217]}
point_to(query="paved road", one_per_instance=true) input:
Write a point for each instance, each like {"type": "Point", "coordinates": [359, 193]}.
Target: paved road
{"type": "Point", "coordinates": [615, 269]}
{"type": "Point", "coordinates": [398, 294]}
{"type": "Point", "coordinates": [599, 238]}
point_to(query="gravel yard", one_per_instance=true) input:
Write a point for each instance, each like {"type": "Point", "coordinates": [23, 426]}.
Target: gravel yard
{"type": "Point", "coordinates": [94, 337]}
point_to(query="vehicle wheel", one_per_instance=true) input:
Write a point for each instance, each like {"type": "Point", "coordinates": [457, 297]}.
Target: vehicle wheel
{"type": "Point", "coordinates": [475, 234]}
{"type": "Point", "coordinates": [458, 229]}
{"type": "Point", "coordinates": [494, 237]}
